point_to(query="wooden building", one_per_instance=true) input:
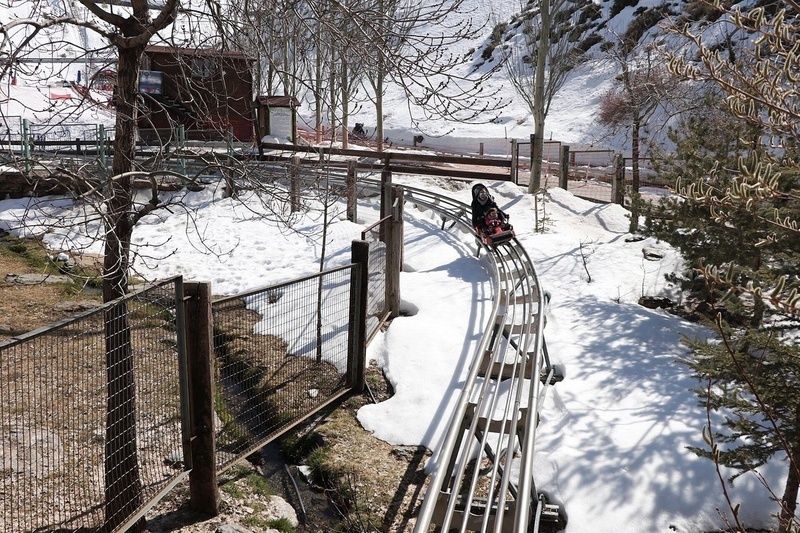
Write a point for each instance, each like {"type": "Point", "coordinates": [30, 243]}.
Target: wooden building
{"type": "Point", "coordinates": [209, 92]}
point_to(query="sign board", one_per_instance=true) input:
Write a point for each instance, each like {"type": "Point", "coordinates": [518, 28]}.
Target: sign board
{"type": "Point", "coordinates": [151, 81]}
{"type": "Point", "coordinates": [281, 123]}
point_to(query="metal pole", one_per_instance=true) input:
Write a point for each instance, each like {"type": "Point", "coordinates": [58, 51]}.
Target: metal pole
{"type": "Point", "coordinates": [181, 146]}
{"type": "Point", "coordinates": [101, 151]}
{"type": "Point", "coordinates": [26, 147]}
{"type": "Point", "coordinates": [183, 375]}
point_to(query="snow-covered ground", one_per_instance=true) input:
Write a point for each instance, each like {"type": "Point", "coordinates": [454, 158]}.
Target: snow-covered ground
{"type": "Point", "coordinates": [612, 442]}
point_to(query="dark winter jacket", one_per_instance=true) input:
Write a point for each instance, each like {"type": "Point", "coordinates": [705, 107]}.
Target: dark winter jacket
{"type": "Point", "coordinates": [482, 201]}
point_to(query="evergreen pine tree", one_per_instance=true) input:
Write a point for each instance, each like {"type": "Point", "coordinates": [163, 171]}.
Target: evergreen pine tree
{"type": "Point", "coordinates": [752, 370]}
{"type": "Point", "coordinates": [752, 392]}
{"type": "Point", "coordinates": [712, 149]}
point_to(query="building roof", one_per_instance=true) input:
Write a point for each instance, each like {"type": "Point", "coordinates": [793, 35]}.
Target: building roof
{"type": "Point", "coordinates": [278, 101]}
{"type": "Point", "coordinates": [160, 49]}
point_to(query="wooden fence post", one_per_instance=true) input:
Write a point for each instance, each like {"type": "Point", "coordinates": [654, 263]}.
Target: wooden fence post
{"type": "Point", "coordinates": [350, 185]}
{"type": "Point", "coordinates": [394, 253]}
{"type": "Point", "coordinates": [514, 162]}
{"type": "Point", "coordinates": [357, 328]}
{"type": "Point", "coordinates": [203, 491]}
{"type": "Point", "coordinates": [294, 184]}
{"type": "Point", "coordinates": [386, 183]}
{"type": "Point", "coordinates": [618, 182]}
{"type": "Point", "coordinates": [535, 180]}
{"type": "Point", "coordinates": [563, 180]}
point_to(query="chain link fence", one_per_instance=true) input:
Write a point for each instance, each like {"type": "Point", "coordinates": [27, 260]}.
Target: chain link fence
{"type": "Point", "coordinates": [281, 355]}
{"type": "Point", "coordinates": [67, 394]}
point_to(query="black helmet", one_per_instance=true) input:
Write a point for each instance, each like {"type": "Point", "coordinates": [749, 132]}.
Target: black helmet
{"type": "Point", "coordinates": [480, 193]}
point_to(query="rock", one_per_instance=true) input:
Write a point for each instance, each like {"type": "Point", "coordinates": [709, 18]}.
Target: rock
{"type": "Point", "coordinates": [280, 508]}
{"type": "Point", "coordinates": [634, 238]}
{"type": "Point", "coordinates": [409, 453]}
{"type": "Point", "coordinates": [76, 306]}
{"type": "Point", "coordinates": [35, 279]}
{"type": "Point", "coordinates": [35, 451]}
{"type": "Point", "coordinates": [654, 302]}
{"type": "Point", "coordinates": [232, 528]}
{"type": "Point", "coordinates": [653, 254]}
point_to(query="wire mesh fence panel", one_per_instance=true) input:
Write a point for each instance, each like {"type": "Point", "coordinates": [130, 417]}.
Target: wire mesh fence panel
{"type": "Point", "coordinates": [282, 353]}
{"type": "Point", "coordinates": [377, 305]}
{"type": "Point", "coordinates": [551, 151]}
{"type": "Point", "coordinates": [595, 158]}
{"type": "Point", "coordinates": [10, 130]}
{"type": "Point", "coordinates": [90, 407]}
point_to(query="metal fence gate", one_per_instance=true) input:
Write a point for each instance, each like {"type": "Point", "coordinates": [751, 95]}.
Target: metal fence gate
{"type": "Point", "coordinates": [281, 355]}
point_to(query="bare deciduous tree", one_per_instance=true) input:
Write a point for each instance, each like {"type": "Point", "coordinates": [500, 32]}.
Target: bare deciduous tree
{"type": "Point", "coordinates": [47, 44]}
{"type": "Point", "coordinates": [538, 59]}
{"type": "Point", "coordinates": [126, 32]}
{"type": "Point", "coordinates": [643, 87]}
{"type": "Point", "coordinates": [370, 43]}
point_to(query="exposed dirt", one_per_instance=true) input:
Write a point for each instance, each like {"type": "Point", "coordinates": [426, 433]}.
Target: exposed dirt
{"type": "Point", "coordinates": [24, 307]}
{"type": "Point", "coordinates": [385, 484]}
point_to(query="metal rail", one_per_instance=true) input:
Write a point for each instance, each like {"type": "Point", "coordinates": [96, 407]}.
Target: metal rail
{"type": "Point", "coordinates": [484, 469]}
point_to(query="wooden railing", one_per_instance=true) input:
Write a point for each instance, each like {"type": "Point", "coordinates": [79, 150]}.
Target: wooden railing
{"type": "Point", "coordinates": [409, 162]}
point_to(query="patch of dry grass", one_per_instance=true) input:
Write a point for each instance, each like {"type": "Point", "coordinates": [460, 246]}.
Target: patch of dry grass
{"type": "Point", "coordinates": [27, 307]}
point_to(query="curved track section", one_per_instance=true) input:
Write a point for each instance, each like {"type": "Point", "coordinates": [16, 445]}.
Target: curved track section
{"type": "Point", "coordinates": [484, 471]}
{"type": "Point", "coordinates": [484, 477]}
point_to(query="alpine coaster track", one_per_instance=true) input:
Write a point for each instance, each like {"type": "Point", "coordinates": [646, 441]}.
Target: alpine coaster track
{"type": "Point", "coordinates": [484, 468]}
{"type": "Point", "coordinates": [484, 478]}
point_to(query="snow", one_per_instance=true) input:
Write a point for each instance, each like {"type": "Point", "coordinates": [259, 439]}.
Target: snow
{"type": "Point", "coordinates": [612, 444]}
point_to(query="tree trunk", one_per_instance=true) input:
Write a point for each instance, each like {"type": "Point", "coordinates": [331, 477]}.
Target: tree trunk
{"type": "Point", "coordinates": [635, 198]}
{"type": "Point", "coordinates": [790, 493]}
{"type": "Point", "coordinates": [345, 103]}
{"type": "Point", "coordinates": [122, 482]}
{"type": "Point", "coordinates": [318, 91]}
{"type": "Point", "coordinates": [379, 136]}
{"type": "Point", "coordinates": [538, 99]}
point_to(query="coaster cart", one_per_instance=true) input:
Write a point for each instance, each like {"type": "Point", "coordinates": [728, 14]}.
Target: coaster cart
{"type": "Point", "coordinates": [497, 235]}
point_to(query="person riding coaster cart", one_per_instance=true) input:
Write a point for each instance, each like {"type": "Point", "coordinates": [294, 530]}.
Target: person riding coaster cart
{"type": "Point", "coordinates": [488, 220]}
